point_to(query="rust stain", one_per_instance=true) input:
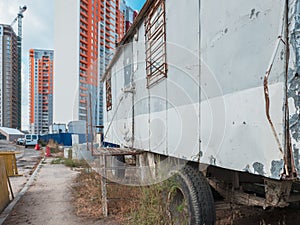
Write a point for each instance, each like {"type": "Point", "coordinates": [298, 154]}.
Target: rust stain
{"type": "Point", "coordinates": [267, 100]}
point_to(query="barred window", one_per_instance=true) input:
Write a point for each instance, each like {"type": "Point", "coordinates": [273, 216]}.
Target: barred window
{"type": "Point", "coordinates": [108, 93]}
{"type": "Point", "coordinates": [155, 34]}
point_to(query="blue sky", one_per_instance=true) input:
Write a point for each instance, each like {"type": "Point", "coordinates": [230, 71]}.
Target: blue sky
{"type": "Point", "coordinates": [136, 4]}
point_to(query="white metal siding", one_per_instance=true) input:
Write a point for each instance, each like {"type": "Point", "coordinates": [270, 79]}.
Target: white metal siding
{"type": "Point", "coordinates": [217, 55]}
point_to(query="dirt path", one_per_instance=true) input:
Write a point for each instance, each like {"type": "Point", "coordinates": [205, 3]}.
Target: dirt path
{"type": "Point", "coordinates": [48, 200]}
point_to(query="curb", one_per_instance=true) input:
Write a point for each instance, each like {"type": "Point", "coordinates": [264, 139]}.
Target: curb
{"type": "Point", "coordinates": [9, 208]}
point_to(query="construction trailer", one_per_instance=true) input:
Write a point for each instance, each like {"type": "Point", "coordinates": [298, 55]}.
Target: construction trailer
{"type": "Point", "coordinates": [209, 91]}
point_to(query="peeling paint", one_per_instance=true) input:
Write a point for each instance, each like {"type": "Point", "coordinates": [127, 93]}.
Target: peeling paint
{"type": "Point", "coordinates": [293, 94]}
{"type": "Point", "coordinates": [254, 14]}
{"type": "Point", "coordinates": [258, 168]}
{"type": "Point", "coordinates": [276, 168]}
{"type": "Point", "coordinates": [293, 87]}
{"type": "Point", "coordinates": [247, 168]}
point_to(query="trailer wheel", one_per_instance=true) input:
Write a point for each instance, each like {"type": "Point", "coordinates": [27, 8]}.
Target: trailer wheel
{"type": "Point", "coordinates": [118, 162]}
{"type": "Point", "coordinates": [190, 200]}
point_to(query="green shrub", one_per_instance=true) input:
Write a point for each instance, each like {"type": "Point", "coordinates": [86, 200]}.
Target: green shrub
{"type": "Point", "coordinates": [57, 161]}
{"type": "Point", "coordinates": [76, 163]}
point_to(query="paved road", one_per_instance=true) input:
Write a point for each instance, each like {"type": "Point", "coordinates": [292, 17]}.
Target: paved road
{"type": "Point", "coordinates": [8, 146]}
{"type": "Point", "coordinates": [49, 201]}
{"type": "Point", "coordinates": [27, 160]}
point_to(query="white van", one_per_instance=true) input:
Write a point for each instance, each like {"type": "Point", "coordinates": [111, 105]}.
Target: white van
{"type": "Point", "coordinates": [31, 140]}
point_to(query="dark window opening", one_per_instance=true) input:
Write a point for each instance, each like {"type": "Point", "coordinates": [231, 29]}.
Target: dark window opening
{"type": "Point", "coordinates": [155, 34]}
{"type": "Point", "coordinates": [108, 93]}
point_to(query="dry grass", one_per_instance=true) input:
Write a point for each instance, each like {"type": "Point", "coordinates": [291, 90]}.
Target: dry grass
{"type": "Point", "coordinates": [52, 144]}
{"type": "Point", "coordinates": [87, 195]}
{"type": "Point", "coordinates": [88, 198]}
{"type": "Point", "coordinates": [146, 205]}
{"type": "Point", "coordinates": [127, 199]}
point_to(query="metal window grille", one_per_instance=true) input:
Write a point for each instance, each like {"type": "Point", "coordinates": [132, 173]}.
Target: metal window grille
{"type": "Point", "coordinates": [108, 93]}
{"type": "Point", "coordinates": [155, 35]}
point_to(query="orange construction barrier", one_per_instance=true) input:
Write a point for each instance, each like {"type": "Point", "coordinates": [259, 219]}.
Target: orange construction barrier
{"type": "Point", "coordinates": [4, 194]}
{"type": "Point", "coordinates": [10, 163]}
{"type": "Point", "coordinates": [37, 147]}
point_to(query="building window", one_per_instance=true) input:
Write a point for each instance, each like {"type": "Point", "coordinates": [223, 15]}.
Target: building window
{"type": "Point", "coordinates": [108, 93]}
{"type": "Point", "coordinates": [155, 35]}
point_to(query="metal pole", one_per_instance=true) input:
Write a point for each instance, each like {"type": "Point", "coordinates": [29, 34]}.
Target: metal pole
{"type": "Point", "coordinates": [104, 188]}
{"type": "Point", "coordinates": [86, 126]}
{"type": "Point", "coordinates": [289, 159]}
{"type": "Point", "coordinates": [91, 122]}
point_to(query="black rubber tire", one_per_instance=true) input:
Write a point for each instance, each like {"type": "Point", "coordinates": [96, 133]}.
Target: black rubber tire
{"type": "Point", "coordinates": [198, 198]}
{"type": "Point", "coordinates": [119, 161]}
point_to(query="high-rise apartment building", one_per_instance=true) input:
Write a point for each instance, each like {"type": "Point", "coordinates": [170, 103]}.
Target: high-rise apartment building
{"type": "Point", "coordinates": [107, 40]}
{"type": "Point", "coordinates": [128, 15]}
{"type": "Point", "coordinates": [90, 31]}
{"type": "Point", "coordinates": [10, 80]}
{"type": "Point", "coordinates": [41, 90]}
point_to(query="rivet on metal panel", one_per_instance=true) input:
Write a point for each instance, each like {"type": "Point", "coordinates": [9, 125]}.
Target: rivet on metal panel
{"type": "Point", "coordinates": [212, 160]}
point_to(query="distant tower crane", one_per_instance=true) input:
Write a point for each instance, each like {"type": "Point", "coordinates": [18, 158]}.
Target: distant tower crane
{"type": "Point", "coordinates": [19, 19]}
{"type": "Point", "coordinates": [19, 45]}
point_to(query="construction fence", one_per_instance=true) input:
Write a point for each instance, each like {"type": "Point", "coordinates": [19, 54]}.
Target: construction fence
{"type": "Point", "coordinates": [4, 194]}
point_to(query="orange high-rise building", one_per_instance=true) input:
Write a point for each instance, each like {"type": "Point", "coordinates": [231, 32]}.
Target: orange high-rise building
{"type": "Point", "coordinates": [101, 26]}
{"type": "Point", "coordinates": [91, 29]}
{"type": "Point", "coordinates": [40, 90]}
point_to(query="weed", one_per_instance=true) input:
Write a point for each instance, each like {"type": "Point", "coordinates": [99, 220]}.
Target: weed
{"type": "Point", "coordinates": [71, 162]}
{"type": "Point", "coordinates": [76, 163]}
{"type": "Point", "coordinates": [42, 142]}
{"type": "Point", "coordinates": [57, 161]}
{"type": "Point", "coordinates": [152, 206]}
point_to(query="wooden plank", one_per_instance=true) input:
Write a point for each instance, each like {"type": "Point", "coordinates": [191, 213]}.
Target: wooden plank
{"type": "Point", "coordinates": [116, 151]}
{"type": "Point", "coordinates": [104, 190]}
{"type": "Point", "coordinates": [10, 163]}
{"type": "Point", "coordinates": [236, 196]}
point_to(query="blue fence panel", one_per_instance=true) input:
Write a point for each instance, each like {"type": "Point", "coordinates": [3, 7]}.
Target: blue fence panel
{"type": "Point", "coordinates": [64, 138]}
